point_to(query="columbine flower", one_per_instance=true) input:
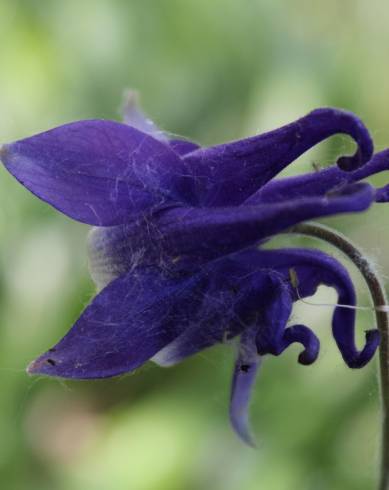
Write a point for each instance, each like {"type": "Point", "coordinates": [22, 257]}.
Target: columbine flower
{"type": "Point", "coordinates": [175, 244]}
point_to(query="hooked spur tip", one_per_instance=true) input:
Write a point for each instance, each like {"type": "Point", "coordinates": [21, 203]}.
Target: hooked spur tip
{"type": "Point", "coordinates": [350, 163]}
{"type": "Point", "coordinates": [360, 359]}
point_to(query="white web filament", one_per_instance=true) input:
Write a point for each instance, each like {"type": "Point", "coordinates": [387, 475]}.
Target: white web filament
{"type": "Point", "coordinates": [295, 283]}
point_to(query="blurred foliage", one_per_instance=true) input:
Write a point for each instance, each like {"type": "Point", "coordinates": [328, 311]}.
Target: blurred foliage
{"type": "Point", "coordinates": [213, 71]}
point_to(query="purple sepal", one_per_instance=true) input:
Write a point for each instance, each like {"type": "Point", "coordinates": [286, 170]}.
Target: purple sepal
{"type": "Point", "coordinates": [98, 172]}
{"type": "Point", "coordinates": [140, 313]}
{"type": "Point", "coordinates": [128, 322]}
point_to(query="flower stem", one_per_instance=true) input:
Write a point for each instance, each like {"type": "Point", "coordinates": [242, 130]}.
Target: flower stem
{"type": "Point", "coordinates": [378, 295]}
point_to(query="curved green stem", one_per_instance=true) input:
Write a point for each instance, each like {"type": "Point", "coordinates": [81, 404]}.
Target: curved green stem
{"type": "Point", "coordinates": [378, 295]}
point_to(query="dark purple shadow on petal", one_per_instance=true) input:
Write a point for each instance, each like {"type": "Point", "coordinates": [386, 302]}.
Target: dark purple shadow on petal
{"type": "Point", "coordinates": [321, 182]}
{"type": "Point", "coordinates": [271, 321]}
{"type": "Point", "coordinates": [228, 174]}
{"type": "Point", "coordinates": [245, 372]}
{"type": "Point", "coordinates": [98, 172]}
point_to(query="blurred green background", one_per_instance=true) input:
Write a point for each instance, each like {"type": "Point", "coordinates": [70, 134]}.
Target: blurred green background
{"type": "Point", "coordinates": [211, 70]}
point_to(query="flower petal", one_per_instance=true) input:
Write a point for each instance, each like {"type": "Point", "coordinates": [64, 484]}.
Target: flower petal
{"type": "Point", "coordinates": [321, 182]}
{"type": "Point", "coordinates": [245, 373]}
{"type": "Point", "coordinates": [314, 268]}
{"type": "Point", "coordinates": [216, 231]}
{"type": "Point", "coordinates": [168, 238]}
{"type": "Point", "coordinates": [97, 172]}
{"type": "Point", "coordinates": [140, 313]}
{"type": "Point", "coordinates": [228, 174]}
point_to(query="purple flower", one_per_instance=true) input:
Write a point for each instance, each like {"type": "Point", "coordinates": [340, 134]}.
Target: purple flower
{"type": "Point", "coordinates": [175, 248]}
